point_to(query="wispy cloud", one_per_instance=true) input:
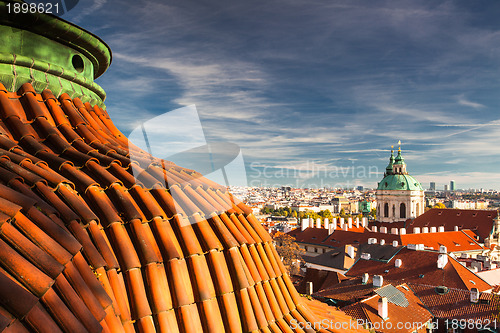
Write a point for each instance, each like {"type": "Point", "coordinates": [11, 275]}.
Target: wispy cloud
{"type": "Point", "coordinates": [291, 82]}
{"type": "Point", "coordinates": [465, 102]}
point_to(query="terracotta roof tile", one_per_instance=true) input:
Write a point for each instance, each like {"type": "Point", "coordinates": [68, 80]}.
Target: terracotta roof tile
{"type": "Point", "coordinates": [91, 242]}
{"type": "Point", "coordinates": [480, 221]}
{"type": "Point", "coordinates": [455, 303]}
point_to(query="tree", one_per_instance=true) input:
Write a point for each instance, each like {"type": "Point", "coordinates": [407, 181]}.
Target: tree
{"type": "Point", "coordinates": [289, 251]}
{"type": "Point", "coordinates": [373, 213]}
{"type": "Point", "coordinates": [439, 205]}
{"type": "Point", "coordinates": [325, 214]}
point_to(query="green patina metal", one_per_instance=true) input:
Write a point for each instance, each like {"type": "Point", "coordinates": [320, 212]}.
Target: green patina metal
{"type": "Point", "coordinates": [51, 53]}
{"type": "Point", "coordinates": [388, 169]}
{"type": "Point", "coordinates": [399, 182]}
{"type": "Point", "coordinates": [399, 159]}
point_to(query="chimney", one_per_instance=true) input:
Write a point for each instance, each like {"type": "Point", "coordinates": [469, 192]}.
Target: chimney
{"type": "Point", "coordinates": [442, 261]}
{"type": "Point", "coordinates": [346, 227]}
{"type": "Point", "coordinates": [357, 222]}
{"type": "Point", "coordinates": [476, 266]}
{"type": "Point", "coordinates": [441, 228]}
{"type": "Point", "coordinates": [474, 295]}
{"type": "Point", "coordinates": [327, 223]}
{"type": "Point", "coordinates": [364, 222]}
{"type": "Point", "coordinates": [383, 308]}
{"type": "Point", "coordinates": [402, 231]}
{"type": "Point", "coordinates": [374, 228]}
{"type": "Point", "coordinates": [395, 243]}
{"type": "Point", "coordinates": [372, 241]}
{"type": "Point", "coordinates": [398, 263]}
{"type": "Point", "coordinates": [382, 242]}
{"type": "Point", "coordinates": [311, 222]}
{"type": "Point", "coordinates": [331, 229]}
{"type": "Point", "coordinates": [334, 223]}
{"type": "Point", "coordinates": [341, 223]}
{"type": "Point", "coordinates": [433, 229]}
{"type": "Point", "coordinates": [416, 230]}
{"type": "Point", "coordinates": [350, 251]}
{"type": "Point", "coordinates": [366, 256]}
{"type": "Point", "coordinates": [442, 249]}
{"type": "Point", "coordinates": [364, 278]}
{"type": "Point", "coordinates": [455, 228]}
{"type": "Point", "coordinates": [318, 223]}
{"type": "Point", "coordinates": [412, 246]}
{"type": "Point", "coordinates": [305, 224]}
{"type": "Point", "coordinates": [383, 230]}
{"type": "Point", "coordinates": [394, 231]}
{"type": "Point", "coordinates": [309, 288]}
{"type": "Point", "coordinates": [425, 230]}
{"type": "Point", "coordinates": [378, 281]}
{"type": "Point", "coordinates": [349, 222]}
{"type": "Point", "coordinates": [488, 265]}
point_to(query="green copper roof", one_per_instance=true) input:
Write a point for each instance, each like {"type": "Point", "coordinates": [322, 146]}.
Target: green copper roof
{"type": "Point", "coordinates": [399, 158]}
{"type": "Point", "coordinates": [399, 182]}
{"type": "Point", "coordinates": [388, 170]}
{"type": "Point", "coordinates": [50, 53]}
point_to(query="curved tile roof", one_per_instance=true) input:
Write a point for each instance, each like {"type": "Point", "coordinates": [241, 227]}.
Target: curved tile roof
{"type": "Point", "coordinates": [85, 247]}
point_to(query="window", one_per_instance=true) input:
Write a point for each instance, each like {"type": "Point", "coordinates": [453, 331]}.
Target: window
{"type": "Point", "coordinates": [402, 210]}
{"type": "Point", "coordinates": [386, 210]}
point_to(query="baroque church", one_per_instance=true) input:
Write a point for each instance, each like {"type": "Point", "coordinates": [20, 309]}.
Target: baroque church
{"type": "Point", "coordinates": [399, 195]}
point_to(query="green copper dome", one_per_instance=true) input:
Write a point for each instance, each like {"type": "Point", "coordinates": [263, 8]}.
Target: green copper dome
{"type": "Point", "coordinates": [399, 182]}
{"type": "Point", "coordinates": [396, 177]}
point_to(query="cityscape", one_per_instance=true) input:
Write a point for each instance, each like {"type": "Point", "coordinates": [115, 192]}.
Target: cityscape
{"type": "Point", "coordinates": [249, 167]}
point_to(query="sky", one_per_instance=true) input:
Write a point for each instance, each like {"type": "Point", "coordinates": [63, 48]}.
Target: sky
{"type": "Point", "coordinates": [315, 93]}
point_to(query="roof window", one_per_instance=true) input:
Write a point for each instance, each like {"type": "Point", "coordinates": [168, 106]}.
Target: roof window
{"type": "Point", "coordinates": [441, 290]}
{"type": "Point", "coordinates": [77, 62]}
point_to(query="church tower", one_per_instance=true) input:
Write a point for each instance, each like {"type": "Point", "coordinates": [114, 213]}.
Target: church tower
{"type": "Point", "coordinates": [399, 195]}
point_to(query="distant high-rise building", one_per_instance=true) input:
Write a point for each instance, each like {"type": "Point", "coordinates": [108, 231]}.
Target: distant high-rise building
{"type": "Point", "coordinates": [452, 185]}
{"type": "Point", "coordinates": [446, 188]}
{"type": "Point", "coordinates": [432, 186]}
{"type": "Point", "coordinates": [360, 188]}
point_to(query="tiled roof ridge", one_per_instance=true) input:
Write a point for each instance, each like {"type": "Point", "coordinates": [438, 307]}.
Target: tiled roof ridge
{"type": "Point", "coordinates": [86, 247]}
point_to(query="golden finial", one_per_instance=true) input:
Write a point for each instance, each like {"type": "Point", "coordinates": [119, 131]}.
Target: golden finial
{"type": "Point", "coordinates": [399, 144]}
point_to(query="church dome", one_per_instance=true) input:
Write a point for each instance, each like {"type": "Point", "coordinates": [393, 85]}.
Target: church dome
{"type": "Point", "coordinates": [399, 182]}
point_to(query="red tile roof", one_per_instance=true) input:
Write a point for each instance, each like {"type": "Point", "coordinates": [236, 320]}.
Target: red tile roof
{"type": "Point", "coordinates": [421, 267]}
{"type": "Point", "coordinates": [453, 240]}
{"type": "Point", "coordinates": [400, 319]}
{"type": "Point", "coordinates": [86, 247]}
{"type": "Point", "coordinates": [320, 279]}
{"type": "Point", "coordinates": [333, 317]}
{"type": "Point", "coordinates": [479, 221]}
{"type": "Point", "coordinates": [456, 304]}
{"type": "Point", "coordinates": [340, 238]}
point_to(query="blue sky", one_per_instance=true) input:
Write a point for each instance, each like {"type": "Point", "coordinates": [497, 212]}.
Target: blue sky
{"type": "Point", "coordinates": [315, 92]}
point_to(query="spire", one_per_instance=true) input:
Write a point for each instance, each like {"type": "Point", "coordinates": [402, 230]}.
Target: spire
{"type": "Point", "coordinates": [388, 170]}
{"type": "Point", "coordinates": [399, 159]}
